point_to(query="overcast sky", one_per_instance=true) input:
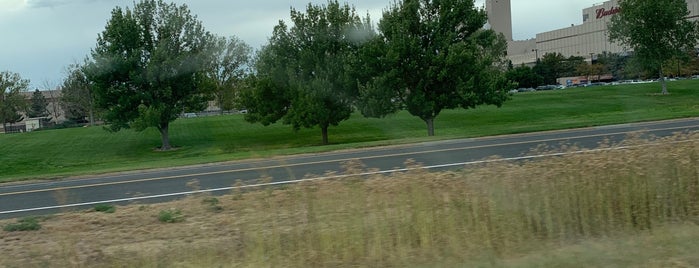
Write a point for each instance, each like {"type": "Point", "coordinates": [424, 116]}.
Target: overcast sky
{"type": "Point", "coordinates": [39, 38]}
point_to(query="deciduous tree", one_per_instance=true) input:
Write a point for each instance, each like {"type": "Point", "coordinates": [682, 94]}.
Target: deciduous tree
{"type": "Point", "coordinates": [148, 66]}
{"type": "Point", "coordinates": [12, 102]}
{"type": "Point", "coordinates": [77, 99]}
{"type": "Point", "coordinates": [656, 31]}
{"type": "Point", "coordinates": [554, 65]}
{"type": "Point", "coordinates": [435, 55]}
{"type": "Point", "coordinates": [614, 63]}
{"type": "Point", "coordinates": [304, 74]}
{"type": "Point", "coordinates": [550, 67]}
{"type": "Point", "coordinates": [54, 99]}
{"type": "Point", "coordinates": [570, 66]}
{"type": "Point", "coordinates": [593, 71]}
{"type": "Point", "coordinates": [525, 77]}
{"type": "Point", "coordinates": [228, 69]}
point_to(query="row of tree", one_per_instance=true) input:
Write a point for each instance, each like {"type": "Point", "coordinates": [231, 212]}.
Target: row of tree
{"type": "Point", "coordinates": [14, 105]}
{"type": "Point", "coordinates": [155, 61]}
{"type": "Point", "coordinates": [12, 101]}
{"type": "Point", "coordinates": [552, 66]}
{"type": "Point", "coordinates": [656, 31]}
{"type": "Point", "coordinates": [659, 34]}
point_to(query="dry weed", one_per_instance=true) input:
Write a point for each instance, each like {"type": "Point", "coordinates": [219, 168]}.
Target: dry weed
{"type": "Point", "coordinates": [406, 219]}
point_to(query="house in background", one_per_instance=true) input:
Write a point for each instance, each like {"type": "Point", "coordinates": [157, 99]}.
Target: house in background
{"type": "Point", "coordinates": [56, 114]}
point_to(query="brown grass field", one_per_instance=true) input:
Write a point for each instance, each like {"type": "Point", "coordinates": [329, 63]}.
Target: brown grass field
{"type": "Point", "coordinates": [633, 204]}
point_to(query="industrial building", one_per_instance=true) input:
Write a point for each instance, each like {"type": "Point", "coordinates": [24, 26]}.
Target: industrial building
{"type": "Point", "coordinates": [585, 40]}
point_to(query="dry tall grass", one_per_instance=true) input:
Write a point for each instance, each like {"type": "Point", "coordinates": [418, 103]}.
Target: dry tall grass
{"type": "Point", "coordinates": [417, 218]}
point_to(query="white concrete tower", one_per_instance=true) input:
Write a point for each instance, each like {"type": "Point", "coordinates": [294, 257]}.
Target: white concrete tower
{"type": "Point", "coordinates": [500, 16]}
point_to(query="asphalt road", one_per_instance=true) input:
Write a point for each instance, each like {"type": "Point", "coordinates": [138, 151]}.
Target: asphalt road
{"type": "Point", "coordinates": [161, 185]}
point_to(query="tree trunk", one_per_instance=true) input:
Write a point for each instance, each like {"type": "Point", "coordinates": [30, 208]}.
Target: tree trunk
{"type": "Point", "coordinates": [324, 130]}
{"type": "Point", "coordinates": [430, 126]}
{"type": "Point", "coordinates": [663, 83]}
{"type": "Point", "coordinates": [164, 135]}
{"type": "Point", "coordinates": [92, 116]}
{"type": "Point", "coordinates": [91, 108]}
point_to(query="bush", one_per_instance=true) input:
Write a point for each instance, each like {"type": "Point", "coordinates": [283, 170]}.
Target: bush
{"type": "Point", "coordinates": [106, 208]}
{"type": "Point", "coordinates": [213, 204]}
{"type": "Point", "coordinates": [70, 124]}
{"type": "Point", "coordinates": [24, 224]}
{"type": "Point", "coordinates": [170, 216]}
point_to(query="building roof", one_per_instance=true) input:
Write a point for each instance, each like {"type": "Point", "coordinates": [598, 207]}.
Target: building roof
{"type": "Point", "coordinates": [48, 94]}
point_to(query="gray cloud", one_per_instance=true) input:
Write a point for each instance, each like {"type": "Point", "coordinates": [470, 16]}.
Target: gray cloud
{"type": "Point", "coordinates": [45, 3]}
{"type": "Point", "coordinates": [59, 3]}
{"type": "Point", "coordinates": [42, 38]}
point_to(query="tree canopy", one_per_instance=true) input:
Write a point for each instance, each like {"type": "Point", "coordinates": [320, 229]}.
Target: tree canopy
{"type": "Point", "coordinates": [38, 105]}
{"type": "Point", "coordinates": [525, 77]}
{"type": "Point", "coordinates": [12, 102]}
{"type": "Point", "coordinates": [615, 64]}
{"type": "Point", "coordinates": [148, 66]}
{"type": "Point", "coordinates": [303, 76]}
{"type": "Point", "coordinates": [230, 65]}
{"type": "Point", "coordinates": [554, 65]}
{"type": "Point", "coordinates": [432, 55]}
{"type": "Point", "coordinates": [656, 31]}
{"type": "Point", "coordinates": [77, 98]}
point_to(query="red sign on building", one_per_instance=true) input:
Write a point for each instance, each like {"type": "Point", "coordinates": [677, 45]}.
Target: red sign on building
{"type": "Point", "coordinates": [603, 12]}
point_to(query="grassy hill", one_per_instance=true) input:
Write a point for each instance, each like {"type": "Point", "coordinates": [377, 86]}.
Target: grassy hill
{"type": "Point", "coordinates": [66, 152]}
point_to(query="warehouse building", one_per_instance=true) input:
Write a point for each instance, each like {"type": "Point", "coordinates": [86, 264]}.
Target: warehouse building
{"type": "Point", "coordinates": [585, 40]}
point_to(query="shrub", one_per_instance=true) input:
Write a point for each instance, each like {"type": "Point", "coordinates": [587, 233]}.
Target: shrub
{"type": "Point", "coordinates": [213, 204]}
{"type": "Point", "coordinates": [170, 216]}
{"type": "Point", "coordinates": [24, 224]}
{"type": "Point", "coordinates": [106, 208]}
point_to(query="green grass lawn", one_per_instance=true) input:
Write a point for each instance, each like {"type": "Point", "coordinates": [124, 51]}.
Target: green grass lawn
{"type": "Point", "coordinates": [66, 152]}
